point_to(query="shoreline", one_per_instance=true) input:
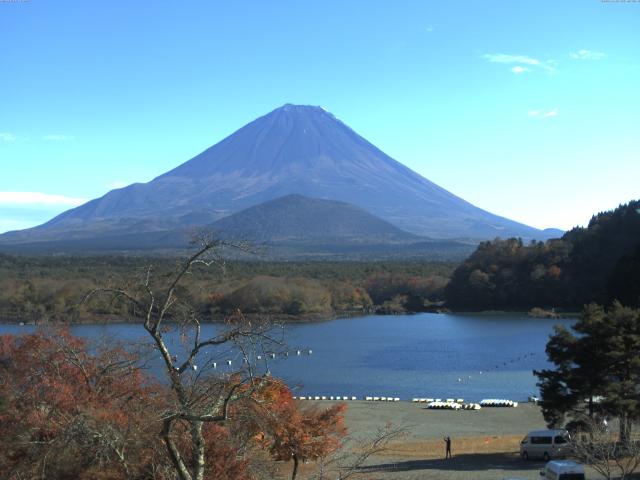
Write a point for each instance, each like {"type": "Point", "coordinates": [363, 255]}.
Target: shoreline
{"type": "Point", "coordinates": [288, 319]}
{"type": "Point", "coordinates": [364, 417]}
{"type": "Point", "coordinates": [485, 443]}
{"type": "Point", "coordinates": [216, 319]}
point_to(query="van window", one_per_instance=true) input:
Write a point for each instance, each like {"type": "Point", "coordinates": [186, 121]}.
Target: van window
{"type": "Point", "coordinates": [541, 440]}
{"type": "Point", "coordinates": [571, 476]}
{"type": "Point", "coordinates": [560, 439]}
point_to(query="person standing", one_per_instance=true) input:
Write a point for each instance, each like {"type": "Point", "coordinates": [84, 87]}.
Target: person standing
{"type": "Point", "coordinates": [447, 441]}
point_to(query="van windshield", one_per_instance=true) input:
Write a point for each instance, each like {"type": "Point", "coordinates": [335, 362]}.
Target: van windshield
{"type": "Point", "coordinates": [571, 476]}
{"type": "Point", "coordinates": [525, 439]}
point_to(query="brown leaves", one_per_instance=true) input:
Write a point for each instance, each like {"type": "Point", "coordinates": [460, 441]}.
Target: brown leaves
{"type": "Point", "coordinates": [69, 409]}
{"type": "Point", "coordinates": [307, 433]}
{"type": "Point", "coordinates": [57, 400]}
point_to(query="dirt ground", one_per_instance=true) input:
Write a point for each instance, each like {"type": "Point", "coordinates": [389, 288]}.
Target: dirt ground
{"type": "Point", "coordinates": [485, 443]}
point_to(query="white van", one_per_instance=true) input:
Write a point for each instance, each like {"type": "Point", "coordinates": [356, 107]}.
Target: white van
{"type": "Point", "coordinates": [563, 470]}
{"type": "Point", "coordinates": [545, 444]}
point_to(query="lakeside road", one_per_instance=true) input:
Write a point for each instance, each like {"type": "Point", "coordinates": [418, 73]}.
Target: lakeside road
{"type": "Point", "coordinates": [485, 443]}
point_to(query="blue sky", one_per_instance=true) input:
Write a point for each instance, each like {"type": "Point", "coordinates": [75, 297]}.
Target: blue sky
{"type": "Point", "coordinates": [527, 109]}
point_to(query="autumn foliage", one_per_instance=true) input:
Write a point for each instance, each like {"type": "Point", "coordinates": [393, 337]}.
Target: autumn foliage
{"type": "Point", "coordinates": [65, 413]}
{"type": "Point", "coordinates": [73, 410]}
{"type": "Point", "coordinates": [303, 434]}
{"type": "Point", "coordinates": [598, 263]}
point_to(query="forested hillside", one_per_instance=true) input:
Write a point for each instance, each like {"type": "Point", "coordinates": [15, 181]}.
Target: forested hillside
{"type": "Point", "coordinates": [598, 263]}
{"type": "Point", "coordinates": [50, 289]}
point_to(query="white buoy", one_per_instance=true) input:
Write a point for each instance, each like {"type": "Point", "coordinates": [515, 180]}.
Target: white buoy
{"type": "Point", "coordinates": [215, 365]}
{"type": "Point", "coordinates": [310, 351]}
{"type": "Point", "coordinates": [229, 362]}
{"type": "Point", "coordinates": [298, 352]}
{"type": "Point", "coordinates": [195, 367]}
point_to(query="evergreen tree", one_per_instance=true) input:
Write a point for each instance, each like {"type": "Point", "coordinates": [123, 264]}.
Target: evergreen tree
{"type": "Point", "coordinates": [598, 367]}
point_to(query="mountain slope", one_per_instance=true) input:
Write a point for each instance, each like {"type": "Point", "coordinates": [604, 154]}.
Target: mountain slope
{"type": "Point", "coordinates": [298, 219]}
{"type": "Point", "coordinates": [292, 227]}
{"type": "Point", "coordinates": [292, 150]}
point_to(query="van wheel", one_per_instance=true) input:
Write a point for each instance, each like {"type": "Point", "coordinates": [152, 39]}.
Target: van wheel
{"type": "Point", "coordinates": [525, 456]}
{"type": "Point", "coordinates": [546, 457]}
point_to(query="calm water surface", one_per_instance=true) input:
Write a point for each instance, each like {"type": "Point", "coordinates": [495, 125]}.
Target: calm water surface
{"type": "Point", "coordinates": [423, 355]}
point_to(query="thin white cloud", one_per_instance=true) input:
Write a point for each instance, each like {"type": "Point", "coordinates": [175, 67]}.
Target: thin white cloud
{"type": "Point", "coordinates": [544, 113]}
{"type": "Point", "coordinates": [55, 137]}
{"type": "Point", "coordinates": [518, 69]}
{"type": "Point", "coordinates": [430, 28]}
{"type": "Point", "coordinates": [38, 198]}
{"type": "Point", "coordinates": [521, 59]}
{"type": "Point", "coordinates": [587, 55]}
{"type": "Point", "coordinates": [7, 137]}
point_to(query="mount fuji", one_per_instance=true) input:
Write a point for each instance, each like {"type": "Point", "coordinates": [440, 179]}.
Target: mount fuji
{"type": "Point", "coordinates": [293, 150]}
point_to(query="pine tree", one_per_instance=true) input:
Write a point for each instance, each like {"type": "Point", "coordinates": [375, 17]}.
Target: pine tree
{"type": "Point", "coordinates": [597, 368]}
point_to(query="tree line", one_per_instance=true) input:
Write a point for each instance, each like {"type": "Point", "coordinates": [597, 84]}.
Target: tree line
{"type": "Point", "coordinates": [598, 263]}
{"type": "Point", "coordinates": [49, 289]}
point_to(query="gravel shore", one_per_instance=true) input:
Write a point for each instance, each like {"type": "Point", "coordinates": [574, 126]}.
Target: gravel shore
{"type": "Point", "coordinates": [363, 418]}
{"type": "Point", "coordinates": [485, 443]}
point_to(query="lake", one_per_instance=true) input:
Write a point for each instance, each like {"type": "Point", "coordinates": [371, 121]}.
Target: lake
{"type": "Point", "coordinates": [470, 356]}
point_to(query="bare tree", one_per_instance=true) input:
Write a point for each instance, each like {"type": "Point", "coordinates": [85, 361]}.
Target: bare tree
{"type": "Point", "coordinates": [201, 393]}
{"type": "Point", "coordinates": [601, 449]}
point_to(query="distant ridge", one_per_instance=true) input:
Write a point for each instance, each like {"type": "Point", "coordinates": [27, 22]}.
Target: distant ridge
{"type": "Point", "coordinates": [298, 219]}
{"type": "Point", "coordinates": [294, 149]}
{"type": "Point", "coordinates": [290, 227]}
